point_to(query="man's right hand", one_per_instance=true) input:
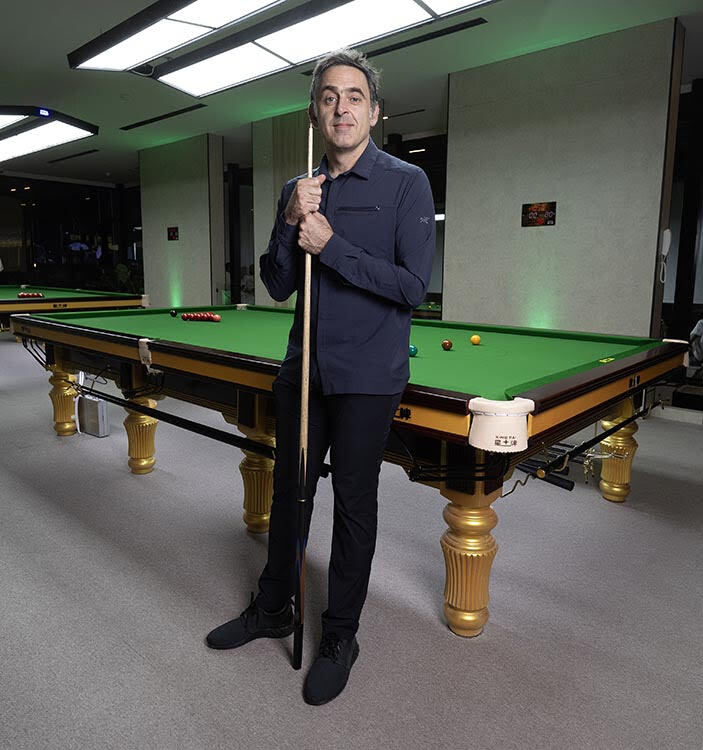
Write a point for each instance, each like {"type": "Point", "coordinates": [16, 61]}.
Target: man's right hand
{"type": "Point", "coordinates": [305, 199]}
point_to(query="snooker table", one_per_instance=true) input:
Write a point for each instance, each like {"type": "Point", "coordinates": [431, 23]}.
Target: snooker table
{"type": "Point", "coordinates": [61, 299]}
{"type": "Point", "coordinates": [572, 379]}
{"type": "Point", "coordinates": [431, 310]}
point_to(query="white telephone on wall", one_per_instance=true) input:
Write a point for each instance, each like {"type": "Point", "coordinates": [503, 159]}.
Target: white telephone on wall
{"type": "Point", "coordinates": [664, 255]}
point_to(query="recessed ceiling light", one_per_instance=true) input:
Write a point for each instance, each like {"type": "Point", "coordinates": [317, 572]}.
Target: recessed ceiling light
{"type": "Point", "coordinates": [417, 150]}
{"type": "Point", "coordinates": [193, 21]}
{"type": "Point", "coordinates": [156, 39]}
{"type": "Point", "coordinates": [216, 13]}
{"type": "Point", "coordinates": [37, 139]}
{"type": "Point", "coordinates": [224, 70]}
{"type": "Point", "coordinates": [6, 120]}
{"type": "Point", "coordinates": [349, 24]}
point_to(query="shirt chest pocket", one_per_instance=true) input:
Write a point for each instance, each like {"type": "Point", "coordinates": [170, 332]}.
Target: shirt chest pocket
{"type": "Point", "coordinates": [371, 227]}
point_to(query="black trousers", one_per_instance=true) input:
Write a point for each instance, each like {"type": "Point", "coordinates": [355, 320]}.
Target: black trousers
{"type": "Point", "coordinates": [355, 428]}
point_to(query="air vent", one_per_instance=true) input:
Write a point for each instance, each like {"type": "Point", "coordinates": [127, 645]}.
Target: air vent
{"type": "Point", "coordinates": [151, 120]}
{"type": "Point", "coordinates": [74, 156]}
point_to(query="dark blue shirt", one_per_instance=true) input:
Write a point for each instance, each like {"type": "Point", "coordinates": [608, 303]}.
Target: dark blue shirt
{"type": "Point", "coordinates": [372, 272]}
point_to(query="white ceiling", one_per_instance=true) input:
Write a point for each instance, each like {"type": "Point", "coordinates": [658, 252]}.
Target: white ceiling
{"type": "Point", "coordinates": [35, 38]}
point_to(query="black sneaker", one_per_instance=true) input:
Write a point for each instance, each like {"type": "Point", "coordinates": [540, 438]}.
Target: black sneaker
{"type": "Point", "coordinates": [253, 623]}
{"type": "Point", "coordinates": [330, 671]}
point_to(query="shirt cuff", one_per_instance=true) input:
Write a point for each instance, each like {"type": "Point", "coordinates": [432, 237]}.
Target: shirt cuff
{"type": "Point", "coordinates": [286, 234]}
{"type": "Point", "coordinates": [336, 249]}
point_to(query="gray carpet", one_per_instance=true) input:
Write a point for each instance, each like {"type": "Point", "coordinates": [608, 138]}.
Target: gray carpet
{"type": "Point", "coordinates": [109, 581]}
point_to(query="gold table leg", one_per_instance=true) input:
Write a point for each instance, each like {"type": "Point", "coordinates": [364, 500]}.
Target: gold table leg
{"type": "Point", "coordinates": [257, 470]}
{"type": "Point", "coordinates": [616, 472]}
{"type": "Point", "coordinates": [62, 396]}
{"type": "Point", "coordinates": [141, 431]}
{"type": "Point", "coordinates": [469, 549]}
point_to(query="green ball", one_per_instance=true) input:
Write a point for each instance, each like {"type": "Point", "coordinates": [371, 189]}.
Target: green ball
{"type": "Point", "coordinates": [413, 350]}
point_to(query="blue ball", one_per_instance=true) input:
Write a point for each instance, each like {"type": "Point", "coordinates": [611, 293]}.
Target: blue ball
{"type": "Point", "coordinates": [413, 350]}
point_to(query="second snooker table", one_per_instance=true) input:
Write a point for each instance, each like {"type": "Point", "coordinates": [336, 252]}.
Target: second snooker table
{"type": "Point", "coordinates": [53, 299]}
{"type": "Point", "coordinates": [572, 379]}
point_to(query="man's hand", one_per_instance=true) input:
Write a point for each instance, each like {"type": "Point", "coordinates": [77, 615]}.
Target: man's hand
{"type": "Point", "coordinates": [304, 199]}
{"type": "Point", "coordinates": [315, 232]}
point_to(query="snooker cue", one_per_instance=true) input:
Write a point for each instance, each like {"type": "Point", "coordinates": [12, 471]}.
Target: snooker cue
{"type": "Point", "coordinates": [299, 608]}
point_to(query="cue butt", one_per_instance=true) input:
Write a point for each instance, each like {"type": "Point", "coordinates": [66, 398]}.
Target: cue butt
{"type": "Point", "coordinates": [298, 646]}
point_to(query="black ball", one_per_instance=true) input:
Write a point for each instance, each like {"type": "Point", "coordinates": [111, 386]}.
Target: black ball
{"type": "Point", "coordinates": [173, 313]}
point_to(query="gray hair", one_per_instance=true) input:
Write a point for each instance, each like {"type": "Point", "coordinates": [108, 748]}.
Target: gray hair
{"type": "Point", "coordinates": [355, 59]}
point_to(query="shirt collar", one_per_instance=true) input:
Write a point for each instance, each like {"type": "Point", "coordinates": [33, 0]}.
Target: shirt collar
{"type": "Point", "coordinates": [364, 164]}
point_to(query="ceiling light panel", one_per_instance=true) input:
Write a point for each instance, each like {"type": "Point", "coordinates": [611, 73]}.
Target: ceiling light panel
{"type": "Point", "coordinates": [6, 120]}
{"type": "Point", "coordinates": [449, 6]}
{"type": "Point", "coordinates": [224, 70]}
{"type": "Point", "coordinates": [216, 13]}
{"type": "Point", "coordinates": [350, 24]}
{"type": "Point", "coordinates": [40, 138]}
{"type": "Point", "coordinates": [145, 45]}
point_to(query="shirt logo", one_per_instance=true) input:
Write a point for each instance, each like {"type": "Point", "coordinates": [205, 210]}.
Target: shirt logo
{"type": "Point", "coordinates": [424, 220]}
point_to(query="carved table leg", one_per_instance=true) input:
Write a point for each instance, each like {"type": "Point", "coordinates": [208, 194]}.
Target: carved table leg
{"type": "Point", "coordinates": [62, 396]}
{"type": "Point", "coordinates": [256, 470]}
{"type": "Point", "coordinates": [469, 549]}
{"type": "Point", "coordinates": [141, 431]}
{"type": "Point", "coordinates": [616, 472]}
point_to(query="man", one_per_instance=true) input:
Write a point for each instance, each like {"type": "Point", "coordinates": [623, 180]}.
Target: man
{"type": "Point", "coordinates": [367, 219]}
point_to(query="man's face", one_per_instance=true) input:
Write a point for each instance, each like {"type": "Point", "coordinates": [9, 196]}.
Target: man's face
{"type": "Point", "coordinates": [344, 115]}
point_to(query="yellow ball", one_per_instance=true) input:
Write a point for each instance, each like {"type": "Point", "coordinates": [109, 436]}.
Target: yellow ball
{"type": "Point", "coordinates": [475, 339]}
